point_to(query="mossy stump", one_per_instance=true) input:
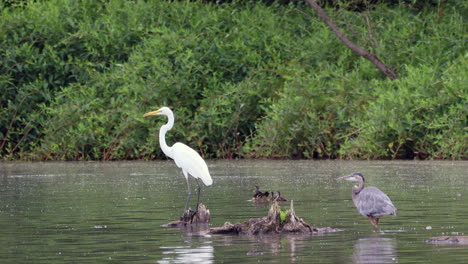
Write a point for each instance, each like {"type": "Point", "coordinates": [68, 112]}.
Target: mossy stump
{"type": "Point", "coordinates": [190, 217]}
{"type": "Point", "coordinates": [276, 222]}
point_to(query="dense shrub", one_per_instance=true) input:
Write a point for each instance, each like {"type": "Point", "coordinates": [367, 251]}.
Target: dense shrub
{"type": "Point", "coordinates": [50, 45]}
{"type": "Point", "coordinates": [343, 110]}
{"type": "Point", "coordinates": [263, 81]}
{"type": "Point", "coordinates": [422, 114]}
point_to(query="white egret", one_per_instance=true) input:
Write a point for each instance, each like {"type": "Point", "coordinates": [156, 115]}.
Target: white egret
{"type": "Point", "coordinates": [185, 157]}
{"type": "Point", "coordinates": [370, 201]}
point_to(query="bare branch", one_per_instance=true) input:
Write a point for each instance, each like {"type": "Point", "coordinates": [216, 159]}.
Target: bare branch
{"type": "Point", "coordinates": [361, 52]}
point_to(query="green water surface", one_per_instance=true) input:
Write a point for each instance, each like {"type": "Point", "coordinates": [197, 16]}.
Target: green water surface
{"type": "Point", "coordinates": [92, 212]}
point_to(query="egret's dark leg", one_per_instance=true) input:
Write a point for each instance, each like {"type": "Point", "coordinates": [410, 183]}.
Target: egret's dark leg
{"type": "Point", "coordinates": [198, 195]}
{"type": "Point", "coordinates": [189, 194]}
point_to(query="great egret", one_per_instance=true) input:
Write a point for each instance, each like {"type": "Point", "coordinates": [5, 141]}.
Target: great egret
{"type": "Point", "coordinates": [185, 157]}
{"type": "Point", "coordinates": [370, 201]}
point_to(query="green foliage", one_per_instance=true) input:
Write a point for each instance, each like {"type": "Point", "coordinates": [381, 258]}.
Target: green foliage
{"type": "Point", "coordinates": [257, 81]}
{"type": "Point", "coordinates": [283, 214]}
{"type": "Point", "coordinates": [50, 45]}
{"type": "Point", "coordinates": [185, 65]}
{"type": "Point", "coordinates": [340, 109]}
{"type": "Point", "coordinates": [310, 116]}
{"type": "Point", "coordinates": [421, 115]}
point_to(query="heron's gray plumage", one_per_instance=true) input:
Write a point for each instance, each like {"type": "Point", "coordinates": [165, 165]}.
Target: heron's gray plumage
{"type": "Point", "coordinates": [371, 201]}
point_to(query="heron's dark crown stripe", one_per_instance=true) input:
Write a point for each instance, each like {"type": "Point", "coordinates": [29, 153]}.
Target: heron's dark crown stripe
{"type": "Point", "coordinates": [360, 174]}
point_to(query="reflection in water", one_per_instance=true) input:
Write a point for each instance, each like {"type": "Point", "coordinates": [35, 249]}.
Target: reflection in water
{"type": "Point", "coordinates": [374, 250]}
{"type": "Point", "coordinates": [285, 246]}
{"type": "Point", "coordinates": [276, 244]}
{"type": "Point", "coordinates": [203, 254]}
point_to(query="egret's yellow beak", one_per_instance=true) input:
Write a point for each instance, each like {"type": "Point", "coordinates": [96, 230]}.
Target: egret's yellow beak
{"type": "Point", "coordinates": [152, 113]}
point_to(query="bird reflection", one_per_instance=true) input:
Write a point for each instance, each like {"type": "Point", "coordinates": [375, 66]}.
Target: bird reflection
{"type": "Point", "coordinates": [284, 246]}
{"type": "Point", "coordinates": [203, 254]}
{"type": "Point", "coordinates": [375, 250]}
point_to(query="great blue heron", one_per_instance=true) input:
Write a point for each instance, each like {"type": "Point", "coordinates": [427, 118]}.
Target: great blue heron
{"type": "Point", "coordinates": [185, 157]}
{"type": "Point", "coordinates": [370, 201]}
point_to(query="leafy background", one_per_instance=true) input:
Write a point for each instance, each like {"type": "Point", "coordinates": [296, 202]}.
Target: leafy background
{"type": "Point", "coordinates": [245, 79]}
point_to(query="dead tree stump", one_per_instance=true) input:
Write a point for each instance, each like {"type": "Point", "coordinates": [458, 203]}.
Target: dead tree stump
{"type": "Point", "coordinates": [201, 216]}
{"type": "Point", "coordinates": [276, 222]}
{"type": "Point", "coordinates": [448, 240]}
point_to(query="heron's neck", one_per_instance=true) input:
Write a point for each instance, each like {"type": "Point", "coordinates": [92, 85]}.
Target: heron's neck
{"type": "Point", "coordinates": [162, 137]}
{"type": "Point", "coordinates": [358, 188]}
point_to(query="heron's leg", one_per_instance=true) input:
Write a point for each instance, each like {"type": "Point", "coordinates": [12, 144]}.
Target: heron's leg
{"type": "Point", "coordinates": [374, 221]}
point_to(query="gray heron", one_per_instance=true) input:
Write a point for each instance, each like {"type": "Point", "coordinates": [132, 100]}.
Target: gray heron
{"type": "Point", "coordinates": [370, 201]}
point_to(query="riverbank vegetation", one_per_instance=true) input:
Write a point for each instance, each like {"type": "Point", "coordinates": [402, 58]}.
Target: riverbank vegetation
{"type": "Point", "coordinates": [245, 80]}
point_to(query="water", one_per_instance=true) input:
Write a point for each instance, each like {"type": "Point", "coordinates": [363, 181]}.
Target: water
{"type": "Point", "coordinates": [91, 212]}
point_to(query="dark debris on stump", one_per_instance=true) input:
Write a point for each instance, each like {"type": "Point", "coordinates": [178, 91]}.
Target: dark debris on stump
{"type": "Point", "coordinates": [201, 216]}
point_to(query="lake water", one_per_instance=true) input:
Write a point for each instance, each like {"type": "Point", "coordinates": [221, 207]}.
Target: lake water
{"type": "Point", "coordinates": [92, 212]}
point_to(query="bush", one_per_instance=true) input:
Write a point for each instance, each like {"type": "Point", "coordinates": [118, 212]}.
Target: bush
{"type": "Point", "coordinates": [50, 45]}
{"type": "Point", "coordinates": [422, 115]}
{"type": "Point", "coordinates": [340, 109]}
{"type": "Point", "coordinates": [192, 65]}
{"type": "Point", "coordinates": [256, 81]}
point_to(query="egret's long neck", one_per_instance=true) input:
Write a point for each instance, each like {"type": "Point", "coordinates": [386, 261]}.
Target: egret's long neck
{"type": "Point", "coordinates": [162, 136]}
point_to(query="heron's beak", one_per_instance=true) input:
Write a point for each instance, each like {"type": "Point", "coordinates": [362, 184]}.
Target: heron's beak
{"type": "Point", "coordinates": [341, 178]}
{"type": "Point", "coordinates": [347, 178]}
{"type": "Point", "coordinates": [152, 113]}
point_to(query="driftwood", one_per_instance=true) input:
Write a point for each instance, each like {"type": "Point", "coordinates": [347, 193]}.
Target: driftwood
{"type": "Point", "coordinates": [448, 240]}
{"type": "Point", "coordinates": [190, 217]}
{"type": "Point", "coordinates": [271, 224]}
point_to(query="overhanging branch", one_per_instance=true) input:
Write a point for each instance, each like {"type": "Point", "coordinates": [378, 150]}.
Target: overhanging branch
{"type": "Point", "coordinates": [361, 52]}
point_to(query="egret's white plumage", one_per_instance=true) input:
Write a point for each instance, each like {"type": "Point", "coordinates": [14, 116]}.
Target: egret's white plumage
{"type": "Point", "coordinates": [191, 163]}
{"type": "Point", "coordinates": [185, 157]}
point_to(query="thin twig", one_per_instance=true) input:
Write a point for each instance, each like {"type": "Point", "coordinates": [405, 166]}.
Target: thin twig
{"type": "Point", "coordinates": [13, 119]}
{"type": "Point", "coordinates": [371, 35]}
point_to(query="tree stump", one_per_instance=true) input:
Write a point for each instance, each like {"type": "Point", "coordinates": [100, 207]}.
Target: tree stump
{"type": "Point", "coordinates": [276, 222]}
{"type": "Point", "coordinates": [448, 240]}
{"type": "Point", "coordinates": [201, 216]}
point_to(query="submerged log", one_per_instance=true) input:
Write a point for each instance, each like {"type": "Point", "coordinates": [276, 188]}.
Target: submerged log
{"type": "Point", "coordinates": [190, 217]}
{"type": "Point", "coordinates": [448, 240]}
{"type": "Point", "coordinates": [277, 221]}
